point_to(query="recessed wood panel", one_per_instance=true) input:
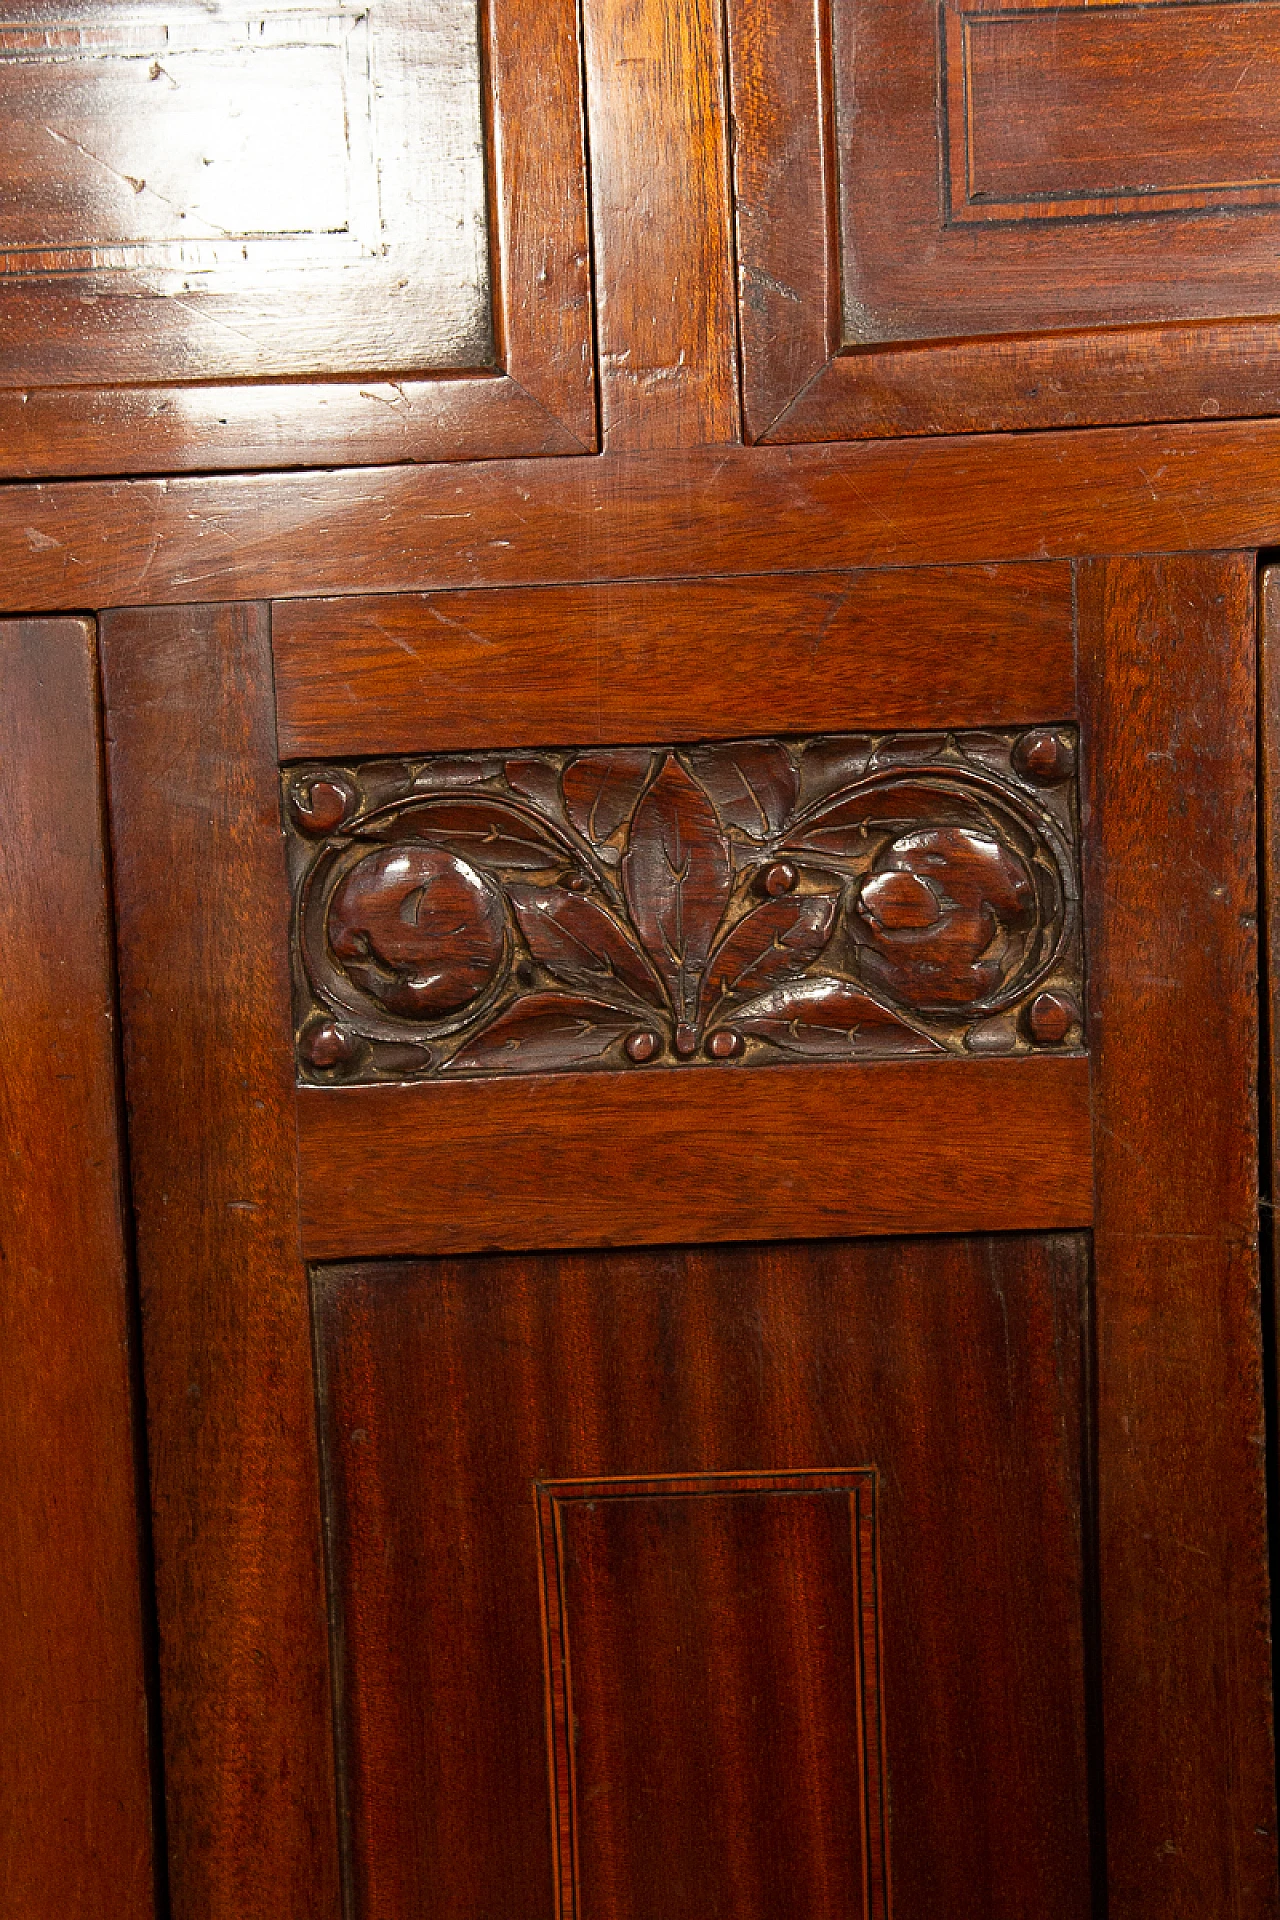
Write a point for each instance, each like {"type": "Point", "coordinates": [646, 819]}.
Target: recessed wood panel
{"type": "Point", "coordinates": [1076, 111]}
{"type": "Point", "coordinates": [1019, 189]}
{"type": "Point", "coordinates": [720, 1744]}
{"type": "Point", "coordinates": [190, 140]}
{"type": "Point", "coordinates": [650, 1596]}
{"type": "Point", "coordinates": [203, 209]}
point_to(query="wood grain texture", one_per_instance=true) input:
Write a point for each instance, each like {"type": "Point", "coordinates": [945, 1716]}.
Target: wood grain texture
{"type": "Point", "coordinates": [608, 664]}
{"type": "Point", "coordinates": [75, 1793]}
{"type": "Point", "coordinates": [727, 511]}
{"type": "Point", "coordinates": [575, 1160]}
{"type": "Point", "coordinates": [808, 376]}
{"type": "Point", "coordinates": [1072, 111]}
{"type": "Point", "coordinates": [649, 1591]}
{"type": "Point", "coordinates": [1170, 886]}
{"type": "Point", "coordinates": [725, 1785]}
{"type": "Point", "coordinates": [1269, 807]}
{"type": "Point", "coordinates": [205, 994]}
{"type": "Point", "coordinates": [656, 102]}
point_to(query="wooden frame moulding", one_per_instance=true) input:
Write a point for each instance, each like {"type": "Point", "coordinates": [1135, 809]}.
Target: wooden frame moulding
{"type": "Point", "coordinates": [714, 511]}
{"type": "Point", "coordinates": [803, 382]}
{"type": "Point", "coordinates": [539, 400]}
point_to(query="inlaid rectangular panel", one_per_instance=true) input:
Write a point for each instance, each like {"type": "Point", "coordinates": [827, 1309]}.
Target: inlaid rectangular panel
{"type": "Point", "coordinates": [712, 1565]}
{"type": "Point", "coordinates": [1069, 205]}
{"type": "Point", "coordinates": [1065, 112]}
{"type": "Point", "coordinates": [650, 1594]}
{"type": "Point", "coordinates": [291, 234]}
{"type": "Point", "coordinates": [731, 904]}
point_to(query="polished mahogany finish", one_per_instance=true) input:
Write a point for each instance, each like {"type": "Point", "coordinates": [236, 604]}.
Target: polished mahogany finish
{"type": "Point", "coordinates": [723, 1683]}
{"type": "Point", "coordinates": [670, 516]}
{"type": "Point", "coordinates": [1167, 662]}
{"type": "Point", "coordinates": [75, 1786]}
{"type": "Point", "coordinates": [747, 1477]}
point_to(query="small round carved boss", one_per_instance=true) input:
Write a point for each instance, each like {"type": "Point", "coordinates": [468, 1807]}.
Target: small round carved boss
{"type": "Point", "coordinates": [420, 930]}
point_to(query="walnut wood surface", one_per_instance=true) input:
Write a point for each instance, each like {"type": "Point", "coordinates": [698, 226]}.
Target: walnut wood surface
{"type": "Point", "coordinates": [727, 511]}
{"type": "Point", "coordinates": [205, 995]}
{"type": "Point", "coordinates": [661, 221]}
{"type": "Point", "coordinates": [75, 1793]}
{"type": "Point", "coordinates": [710, 1653]}
{"type": "Point", "coordinates": [936, 647]}
{"type": "Point", "coordinates": [1167, 687]}
{"type": "Point", "coordinates": [1269, 820]}
{"type": "Point", "coordinates": [596, 1160]}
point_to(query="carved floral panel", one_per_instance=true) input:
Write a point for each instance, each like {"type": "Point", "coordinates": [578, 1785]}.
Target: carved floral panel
{"type": "Point", "coordinates": [740, 903]}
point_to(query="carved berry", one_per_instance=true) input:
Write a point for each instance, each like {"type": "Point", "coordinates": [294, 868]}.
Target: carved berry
{"type": "Point", "coordinates": [325, 1044]}
{"type": "Point", "coordinates": [724, 1045]}
{"type": "Point", "coordinates": [642, 1046]}
{"type": "Point", "coordinates": [418, 929]}
{"type": "Point", "coordinates": [1050, 1018]}
{"type": "Point", "coordinates": [1044, 757]}
{"type": "Point", "coordinates": [779, 879]}
{"type": "Point", "coordinates": [319, 806]}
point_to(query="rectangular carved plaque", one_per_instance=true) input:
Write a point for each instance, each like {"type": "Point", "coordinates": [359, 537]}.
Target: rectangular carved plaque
{"type": "Point", "coordinates": [663, 1576]}
{"type": "Point", "coordinates": [736, 904]}
{"type": "Point", "coordinates": [1069, 112]}
{"type": "Point", "coordinates": [187, 140]}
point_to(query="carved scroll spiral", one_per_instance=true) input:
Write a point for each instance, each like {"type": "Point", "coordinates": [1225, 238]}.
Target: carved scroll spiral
{"type": "Point", "coordinates": [750, 901]}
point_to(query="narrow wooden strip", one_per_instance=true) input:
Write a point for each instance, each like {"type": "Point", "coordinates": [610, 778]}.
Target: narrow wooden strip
{"type": "Point", "coordinates": [656, 105]}
{"type": "Point", "coordinates": [1088, 379]}
{"type": "Point", "coordinates": [86, 430]}
{"type": "Point", "coordinates": [75, 1793]}
{"type": "Point", "coordinates": [788, 265]}
{"type": "Point", "coordinates": [205, 992]}
{"type": "Point", "coordinates": [1269, 797]}
{"type": "Point", "coordinates": [603, 1159]}
{"type": "Point", "coordinates": [1170, 891]}
{"type": "Point", "coordinates": [661, 516]}
{"type": "Point", "coordinates": [540, 213]}
{"type": "Point", "coordinates": [934, 648]}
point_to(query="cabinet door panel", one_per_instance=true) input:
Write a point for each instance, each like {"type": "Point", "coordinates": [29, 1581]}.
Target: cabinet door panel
{"type": "Point", "coordinates": [313, 235]}
{"type": "Point", "coordinates": [1071, 210]}
{"type": "Point", "coordinates": [570, 1670]}
{"type": "Point", "coordinates": [697, 1431]}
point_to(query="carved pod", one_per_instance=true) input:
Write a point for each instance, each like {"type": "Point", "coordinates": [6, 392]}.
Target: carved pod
{"type": "Point", "coordinates": [738, 903]}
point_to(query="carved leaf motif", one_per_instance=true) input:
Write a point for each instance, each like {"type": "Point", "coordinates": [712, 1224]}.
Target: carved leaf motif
{"type": "Point", "coordinates": [841, 827]}
{"type": "Point", "coordinates": [489, 833]}
{"type": "Point", "coordinates": [546, 1032]}
{"type": "Point", "coordinates": [752, 783]}
{"type": "Point", "coordinates": [779, 938]}
{"type": "Point", "coordinates": [575, 938]}
{"type": "Point", "coordinates": [677, 876]}
{"type": "Point", "coordinates": [828, 1018]}
{"type": "Point", "coordinates": [600, 789]}
{"type": "Point", "coordinates": [827, 766]}
{"type": "Point", "coordinates": [537, 781]}
{"type": "Point", "coordinates": [457, 770]}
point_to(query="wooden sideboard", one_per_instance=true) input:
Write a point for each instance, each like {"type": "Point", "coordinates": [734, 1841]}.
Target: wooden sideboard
{"type": "Point", "coordinates": [638, 921]}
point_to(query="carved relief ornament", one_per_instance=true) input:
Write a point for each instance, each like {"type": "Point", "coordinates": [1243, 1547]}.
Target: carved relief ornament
{"type": "Point", "coordinates": [743, 902]}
